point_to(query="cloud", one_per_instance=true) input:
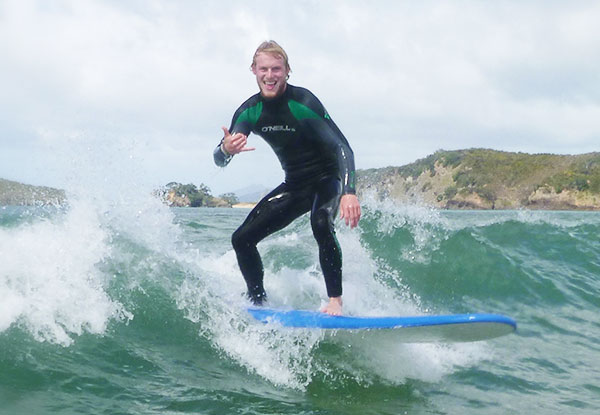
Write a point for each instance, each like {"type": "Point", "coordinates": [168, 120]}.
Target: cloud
{"type": "Point", "coordinates": [401, 79]}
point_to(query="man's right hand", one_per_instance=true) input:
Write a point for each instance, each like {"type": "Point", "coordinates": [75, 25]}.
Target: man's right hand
{"type": "Point", "coordinates": [236, 143]}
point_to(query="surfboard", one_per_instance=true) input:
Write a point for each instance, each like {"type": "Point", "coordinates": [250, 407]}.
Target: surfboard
{"type": "Point", "coordinates": [411, 329]}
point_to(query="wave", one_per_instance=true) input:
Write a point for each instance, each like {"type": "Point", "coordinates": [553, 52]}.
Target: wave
{"type": "Point", "coordinates": [107, 268]}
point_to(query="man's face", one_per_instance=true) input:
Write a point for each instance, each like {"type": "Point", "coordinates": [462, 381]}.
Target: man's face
{"type": "Point", "coordinates": [271, 74]}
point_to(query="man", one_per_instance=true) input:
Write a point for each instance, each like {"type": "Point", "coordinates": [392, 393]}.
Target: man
{"type": "Point", "coordinates": [318, 165]}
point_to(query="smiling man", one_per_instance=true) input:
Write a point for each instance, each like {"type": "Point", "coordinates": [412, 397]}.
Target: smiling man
{"type": "Point", "coordinates": [318, 165]}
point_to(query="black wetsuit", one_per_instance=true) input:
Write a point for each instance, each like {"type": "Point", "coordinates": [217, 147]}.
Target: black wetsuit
{"type": "Point", "coordinates": [319, 168]}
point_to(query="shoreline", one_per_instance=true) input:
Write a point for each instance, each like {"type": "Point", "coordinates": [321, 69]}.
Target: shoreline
{"type": "Point", "coordinates": [243, 205]}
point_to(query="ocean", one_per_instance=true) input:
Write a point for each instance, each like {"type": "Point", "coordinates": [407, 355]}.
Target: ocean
{"type": "Point", "coordinates": [121, 305]}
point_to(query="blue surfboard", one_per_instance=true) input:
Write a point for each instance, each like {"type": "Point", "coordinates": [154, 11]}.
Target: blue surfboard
{"type": "Point", "coordinates": [413, 329]}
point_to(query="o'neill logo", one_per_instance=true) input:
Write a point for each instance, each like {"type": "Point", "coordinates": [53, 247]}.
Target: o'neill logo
{"type": "Point", "coordinates": [270, 128]}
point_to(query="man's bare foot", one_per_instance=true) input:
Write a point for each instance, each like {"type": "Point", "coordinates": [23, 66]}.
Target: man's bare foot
{"type": "Point", "coordinates": [334, 308]}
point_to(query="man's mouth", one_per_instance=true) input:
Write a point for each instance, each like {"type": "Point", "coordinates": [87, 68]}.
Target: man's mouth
{"type": "Point", "coordinates": [270, 84]}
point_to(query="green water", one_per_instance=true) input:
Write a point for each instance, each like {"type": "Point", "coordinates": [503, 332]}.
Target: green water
{"type": "Point", "coordinates": [117, 312]}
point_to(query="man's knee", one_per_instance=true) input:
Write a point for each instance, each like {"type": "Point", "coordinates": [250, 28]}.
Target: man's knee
{"type": "Point", "coordinates": [238, 240]}
{"type": "Point", "coordinates": [321, 223]}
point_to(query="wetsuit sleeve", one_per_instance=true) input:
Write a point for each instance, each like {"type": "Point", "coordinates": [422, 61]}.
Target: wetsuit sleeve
{"type": "Point", "coordinates": [243, 121]}
{"type": "Point", "coordinates": [329, 137]}
{"type": "Point", "coordinates": [221, 158]}
{"type": "Point", "coordinates": [335, 140]}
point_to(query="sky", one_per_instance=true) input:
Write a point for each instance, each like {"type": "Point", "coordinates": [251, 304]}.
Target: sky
{"type": "Point", "coordinates": [91, 86]}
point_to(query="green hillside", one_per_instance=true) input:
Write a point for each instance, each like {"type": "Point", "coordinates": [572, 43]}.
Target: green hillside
{"type": "Point", "coordinates": [18, 194]}
{"type": "Point", "coordinates": [461, 179]}
{"type": "Point", "coordinates": [489, 179]}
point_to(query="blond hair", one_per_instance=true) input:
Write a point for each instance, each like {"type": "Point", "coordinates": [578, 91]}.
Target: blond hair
{"type": "Point", "coordinates": [271, 47]}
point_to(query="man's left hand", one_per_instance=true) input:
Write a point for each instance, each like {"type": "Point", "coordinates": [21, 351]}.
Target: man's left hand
{"type": "Point", "coordinates": [350, 209]}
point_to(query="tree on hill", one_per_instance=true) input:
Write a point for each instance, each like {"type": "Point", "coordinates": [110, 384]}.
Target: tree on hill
{"type": "Point", "coordinates": [230, 198]}
{"type": "Point", "coordinates": [177, 194]}
{"type": "Point", "coordinates": [190, 195]}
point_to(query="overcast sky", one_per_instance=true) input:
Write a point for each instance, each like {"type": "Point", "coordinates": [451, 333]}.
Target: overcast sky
{"type": "Point", "coordinates": [89, 86]}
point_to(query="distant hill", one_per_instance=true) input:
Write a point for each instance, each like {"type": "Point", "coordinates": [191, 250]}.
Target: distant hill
{"type": "Point", "coordinates": [18, 194]}
{"type": "Point", "coordinates": [251, 194]}
{"type": "Point", "coordinates": [489, 179]}
{"type": "Point", "coordinates": [189, 195]}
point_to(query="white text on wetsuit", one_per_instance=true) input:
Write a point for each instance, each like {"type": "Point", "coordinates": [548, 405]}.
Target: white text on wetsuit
{"type": "Point", "coordinates": [270, 128]}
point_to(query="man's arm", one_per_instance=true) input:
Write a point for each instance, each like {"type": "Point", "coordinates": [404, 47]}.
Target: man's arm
{"type": "Point", "coordinates": [241, 126]}
{"type": "Point", "coordinates": [230, 145]}
{"type": "Point", "coordinates": [334, 139]}
{"type": "Point", "coordinates": [307, 108]}
{"type": "Point", "coordinates": [220, 156]}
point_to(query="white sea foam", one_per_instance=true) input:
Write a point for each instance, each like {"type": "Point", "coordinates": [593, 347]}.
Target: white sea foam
{"type": "Point", "coordinates": [212, 295]}
{"type": "Point", "coordinates": [52, 281]}
{"type": "Point", "coordinates": [49, 281]}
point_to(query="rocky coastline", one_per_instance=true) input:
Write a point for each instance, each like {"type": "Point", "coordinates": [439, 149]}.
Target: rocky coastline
{"type": "Point", "coordinates": [488, 179]}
